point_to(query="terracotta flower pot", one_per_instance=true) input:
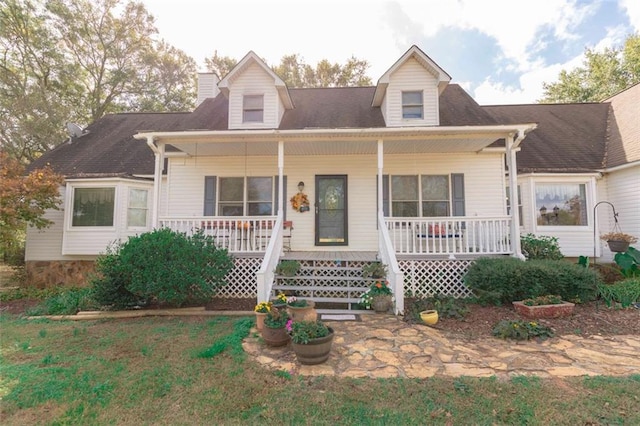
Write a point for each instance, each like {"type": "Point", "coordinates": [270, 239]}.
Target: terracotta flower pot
{"type": "Point", "coordinates": [275, 336]}
{"type": "Point", "coordinates": [316, 351]}
{"type": "Point", "coordinates": [302, 313]}
{"type": "Point", "coordinates": [260, 316]}
{"type": "Point", "coordinates": [559, 310]}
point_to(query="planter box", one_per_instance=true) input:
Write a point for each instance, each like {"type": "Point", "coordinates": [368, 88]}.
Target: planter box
{"type": "Point", "coordinates": [560, 310]}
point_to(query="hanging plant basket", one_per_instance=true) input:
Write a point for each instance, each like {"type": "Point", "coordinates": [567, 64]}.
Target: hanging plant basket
{"type": "Point", "coordinates": [618, 246]}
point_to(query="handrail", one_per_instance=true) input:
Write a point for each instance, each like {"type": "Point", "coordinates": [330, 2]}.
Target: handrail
{"type": "Point", "coordinates": [266, 274]}
{"type": "Point", "coordinates": [388, 256]}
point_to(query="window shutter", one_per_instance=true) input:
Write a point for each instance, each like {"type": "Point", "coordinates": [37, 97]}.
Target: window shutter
{"type": "Point", "coordinates": [284, 196]}
{"type": "Point", "coordinates": [457, 181]}
{"type": "Point", "coordinates": [210, 195]}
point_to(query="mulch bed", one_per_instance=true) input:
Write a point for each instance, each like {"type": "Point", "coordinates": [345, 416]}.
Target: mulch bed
{"type": "Point", "coordinates": [592, 318]}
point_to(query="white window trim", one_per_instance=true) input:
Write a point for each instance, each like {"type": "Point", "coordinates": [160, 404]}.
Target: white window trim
{"type": "Point", "coordinates": [147, 209]}
{"type": "Point", "coordinates": [70, 193]}
{"type": "Point", "coordinates": [589, 197]}
{"type": "Point", "coordinates": [244, 109]}
{"type": "Point", "coordinates": [245, 195]}
{"type": "Point", "coordinates": [421, 105]}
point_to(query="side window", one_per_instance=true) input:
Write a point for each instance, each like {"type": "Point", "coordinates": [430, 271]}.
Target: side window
{"type": "Point", "coordinates": [519, 203]}
{"type": "Point", "coordinates": [137, 208]}
{"type": "Point", "coordinates": [412, 106]}
{"type": "Point", "coordinates": [253, 109]}
{"type": "Point", "coordinates": [561, 204]}
{"type": "Point", "coordinates": [93, 206]}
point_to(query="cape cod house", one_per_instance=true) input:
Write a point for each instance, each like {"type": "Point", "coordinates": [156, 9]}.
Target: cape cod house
{"type": "Point", "coordinates": [412, 172]}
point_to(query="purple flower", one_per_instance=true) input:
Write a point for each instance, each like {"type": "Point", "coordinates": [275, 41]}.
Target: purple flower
{"type": "Point", "coordinates": [288, 326]}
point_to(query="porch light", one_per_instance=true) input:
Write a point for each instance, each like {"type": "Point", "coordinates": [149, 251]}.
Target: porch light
{"type": "Point", "coordinates": [300, 186]}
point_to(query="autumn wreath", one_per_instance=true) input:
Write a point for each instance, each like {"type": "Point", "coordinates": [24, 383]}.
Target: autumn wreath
{"type": "Point", "coordinates": [300, 202]}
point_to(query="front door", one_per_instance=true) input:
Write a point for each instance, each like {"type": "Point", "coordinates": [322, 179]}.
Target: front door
{"type": "Point", "coordinates": [331, 210]}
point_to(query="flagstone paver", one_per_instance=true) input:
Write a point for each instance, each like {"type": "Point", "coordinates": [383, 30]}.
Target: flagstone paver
{"type": "Point", "coordinates": [383, 346]}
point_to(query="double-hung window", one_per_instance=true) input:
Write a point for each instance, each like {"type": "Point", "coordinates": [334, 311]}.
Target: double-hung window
{"type": "Point", "coordinates": [412, 106]}
{"type": "Point", "coordinates": [423, 195]}
{"type": "Point", "coordinates": [253, 109]}
{"type": "Point", "coordinates": [137, 208]}
{"type": "Point", "coordinates": [252, 196]}
{"type": "Point", "coordinates": [93, 206]}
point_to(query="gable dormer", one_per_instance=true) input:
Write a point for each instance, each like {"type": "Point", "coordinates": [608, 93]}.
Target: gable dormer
{"type": "Point", "coordinates": [408, 92]}
{"type": "Point", "coordinates": [257, 97]}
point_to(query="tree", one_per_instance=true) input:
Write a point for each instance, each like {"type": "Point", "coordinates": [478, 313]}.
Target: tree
{"type": "Point", "coordinates": [24, 199]}
{"type": "Point", "coordinates": [604, 74]}
{"type": "Point", "coordinates": [296, 73]}
{"type": "Point", "coordinates": [76, 60]}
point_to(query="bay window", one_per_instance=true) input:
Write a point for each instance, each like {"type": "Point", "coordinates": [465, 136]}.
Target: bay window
{"type": "Point", "coordinates": [93, 206]}
{"type": "Point", "coordinates": [561, 204]}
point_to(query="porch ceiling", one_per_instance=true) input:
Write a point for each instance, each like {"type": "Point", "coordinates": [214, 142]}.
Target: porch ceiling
{"type": "Point", "coordinates": [332, 147]}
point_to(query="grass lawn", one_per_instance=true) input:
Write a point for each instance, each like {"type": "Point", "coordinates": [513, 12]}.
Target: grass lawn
{"type": "Point", "coordinates": [193, 371]}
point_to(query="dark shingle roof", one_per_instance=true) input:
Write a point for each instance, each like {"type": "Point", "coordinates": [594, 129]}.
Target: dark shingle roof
{"type": "Point", "coordinates": [109, 149]}
{"type": "Point", "coordinates": [569, 137]}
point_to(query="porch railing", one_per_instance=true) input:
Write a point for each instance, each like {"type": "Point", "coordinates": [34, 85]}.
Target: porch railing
{"type": "Point", "coordinates": [450, 236]}
{"type": "Point", "coordinates": [266, 275]}
{"type": "Point", "coordinates": [234, 233]}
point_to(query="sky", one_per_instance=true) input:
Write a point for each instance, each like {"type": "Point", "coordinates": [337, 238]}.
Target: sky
{"type": "Point", "coordinates": [499, 51]}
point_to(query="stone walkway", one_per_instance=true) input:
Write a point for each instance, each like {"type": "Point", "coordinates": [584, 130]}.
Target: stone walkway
{"type": "Point", "coordinates": [385, 346]}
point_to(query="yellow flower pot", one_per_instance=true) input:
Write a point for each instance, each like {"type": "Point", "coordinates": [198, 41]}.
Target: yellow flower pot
{"type": "Point", "coordinates": [429, 317]}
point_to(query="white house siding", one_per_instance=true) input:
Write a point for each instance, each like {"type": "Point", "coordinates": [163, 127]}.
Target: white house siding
{"type": "Point", "coordinates": [484, 189]}
{"type": "Point", "coordinates": [46, 244]}
{"type": "Point", "coordinates": [623, 190]}
{"type": "Point", "coordinates": [411, 76]}
{"type": "Point", "coordinates": [574, 241]}
{"type": "Point", "coordinates": [95, 240]}
{"type": "Point", "coordinates": [253, 81]}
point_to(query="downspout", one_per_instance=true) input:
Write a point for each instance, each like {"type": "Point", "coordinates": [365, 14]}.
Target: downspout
{"type": "Point", "coordinates": [513, 192]}
{"type": "Point", "coordinates": [157, 178]}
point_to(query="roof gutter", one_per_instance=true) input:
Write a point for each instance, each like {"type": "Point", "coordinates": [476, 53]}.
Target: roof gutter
{"type": "Point", "coordinates": [373, 132]}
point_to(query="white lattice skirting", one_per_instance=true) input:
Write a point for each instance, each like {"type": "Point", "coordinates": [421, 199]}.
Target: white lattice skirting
{"type": "Point", "coordinates": [241, 280]}
{"type": "Point", "coordinates": [425, 278]}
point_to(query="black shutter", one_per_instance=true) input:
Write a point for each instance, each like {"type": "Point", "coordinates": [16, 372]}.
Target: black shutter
{"type": "Point", "coordinates": [210, 195]}
{"type": "Point", "coordinates": [457, 181]}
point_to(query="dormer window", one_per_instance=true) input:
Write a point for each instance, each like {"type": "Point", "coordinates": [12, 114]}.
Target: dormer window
{"type": "Point", "coordinates": [253, 109]}
{"type": "Point", "coordinates": [412, 106]}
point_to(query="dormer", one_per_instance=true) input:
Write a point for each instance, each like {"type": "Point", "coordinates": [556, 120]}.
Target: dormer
{"type": "Point", "coordinates": [257, 97]}
{"type": "Point", "coordinates": [408, 92]}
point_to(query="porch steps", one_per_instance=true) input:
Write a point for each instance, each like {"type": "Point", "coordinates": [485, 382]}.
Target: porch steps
{"type": "Point", "coordinates": [335, 284]}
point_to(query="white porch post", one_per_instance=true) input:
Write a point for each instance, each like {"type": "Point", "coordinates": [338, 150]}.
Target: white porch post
{"type": "Point", "coordinates": [281, 177]}
{"type": "Point", "coordinates": [157, 179]}
{"type": "Point", "coordinates": [380, 167]}
{"type": "Point", "coordinates": [513, 194]}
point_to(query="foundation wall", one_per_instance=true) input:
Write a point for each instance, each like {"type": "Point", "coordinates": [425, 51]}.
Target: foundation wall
{"type": "Point", "coordinates": [49, 273]}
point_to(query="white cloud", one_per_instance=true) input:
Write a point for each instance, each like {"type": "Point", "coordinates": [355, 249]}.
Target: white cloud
{"type": "Point", "coordinates": [632, 8]}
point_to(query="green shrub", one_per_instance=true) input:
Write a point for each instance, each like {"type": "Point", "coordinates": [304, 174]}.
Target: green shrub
{"type": "Point", "coordinates": [503, 280]}
{"type": "Point", "coordinates": [540, 247]}
{"type": "Point", "coordinates": [447, 307]}
{"type": "Point", "coordinates": [626, 292]}
{"type": "Point", "coordinates": [521, 330]}
{"type": "Point", "coordinates": [67, 302]}
{"type": "Point", "coordinates": [161, 266]}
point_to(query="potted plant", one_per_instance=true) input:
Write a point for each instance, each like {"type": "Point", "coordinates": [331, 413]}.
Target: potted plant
{"type": "Point", "coordinates": [288, 268]}
{"type": "Point", "coordinates": [280, 301]}
{"type": "Point", "coordinates": [375, 269]}
{"type": "Point", "coordinates": [299, 308]}
{"type": "Point", "coordinates": [261, 310]}
{"type": "Point", "coordinates": [618, 241]}
{"type": "Point", "coordinates": [274, 332]}
{"type": "Point", "coordinates": [378, 297]}
{"type": "Point", "coordinates": [548, 306]}
{"type": "Point", "coordinates": [311, 341]}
